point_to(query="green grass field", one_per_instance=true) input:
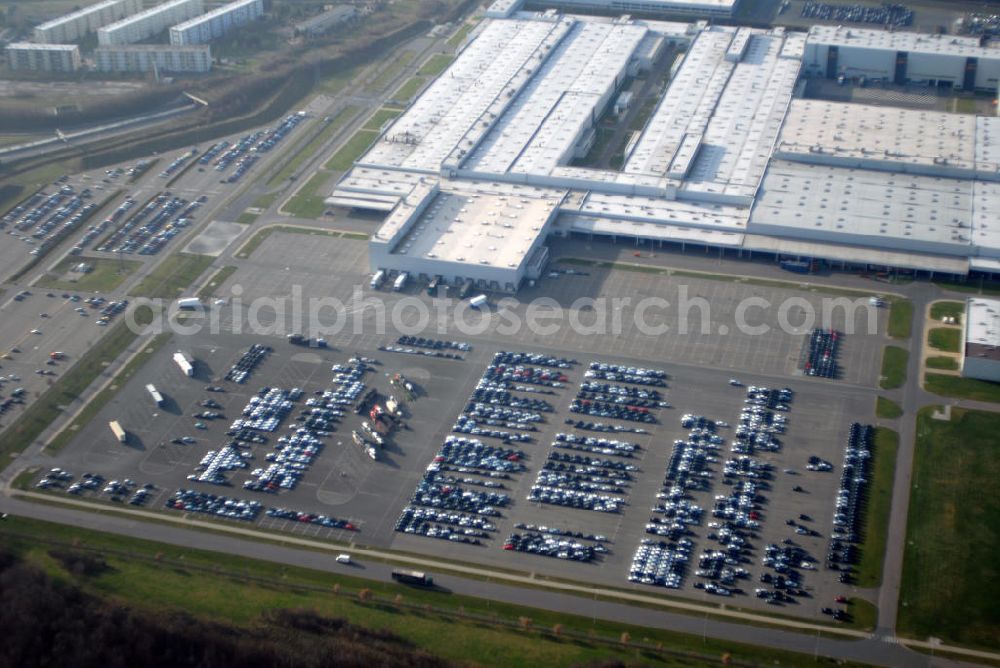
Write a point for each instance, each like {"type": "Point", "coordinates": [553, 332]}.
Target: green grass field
{"type": "Point", "coordinates": [435, 65]}
{"type": "Point", "coordinates": [175, 274]}
{"type": "Point", "coordinates": [976, 287]}
{"type": "Point", "coordinates": [308, 202]}
{"type": "Point", "coordinates": [963, 388]}
{"type": "Point", "coordinates": [102, 398]}
{"type": "Point", "coordinates": [209, 585]}
{"type": "Point", "coordinates": [900, 318]}
{"type": "Point", "coordinates": [456, 40]}
{"type": "Point", "coordinates": [391, 71]}
{"type": "Point", "coordinates": [352, 149]}
{"type": "Point", "coordinates": [950, 587]}
{"type": "Point", "coordinates": [887, 409]}
{"type": "Point", "coordinates": [265, 201]}
{"type": "Point", "coordinates": [946, 339]}
{"type": "Point", "coordinates": [107, 274]}
{"type": "Point", "coordinates": [947, 308]}
{"type": "Point", "coordinates": [64, 392]}
{"type": "Point", "coordinates": [942, 362]}
{"type": "Point", "coordinates": [894, 361]}
{"type": "Point", "coordinates": [876, 524]}
{"type": "Point", "coordinates": [220, 277]}
{"type": "Point", "coordinates": [408, 90]}
{"type": "Point", "coordinates": [378, 119]}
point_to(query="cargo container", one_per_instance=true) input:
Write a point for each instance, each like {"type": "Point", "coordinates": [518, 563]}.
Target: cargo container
{"type": "Point", "coordinates": [479, 301]}
{"type": "Point", "coordinates": [153, 392]}
{"type": "Point", "coordinates": [117, 430]}
{"type": "Point", "coordinates": [185, 362]}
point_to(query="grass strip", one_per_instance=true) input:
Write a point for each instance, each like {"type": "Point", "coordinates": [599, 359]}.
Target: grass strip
{"type": "Point", "coordinates": [942, 309]}
{"type": "Point", "coordinates": [894, 360]}
{"type": "Point", "coordinates": [945, 338]}
{"type": "Point", "coordinates": [887, 409]}
{"type": "Point", "coordinates": [879, 503]}
{"type": "Point", "coordinates": [942, 362]}
{"type": "Point", "coordinates": [220, 277]}
{"type": "Point", "coordinates": [352, 149]}
{"type": "Point", "coordinates": [105, 275]}
{"type": "Point", "coordinates": [174, 275]}
{"type": "Point", "coordinates": [962, 388]}
{"type": "Point", "coordinates": [900, 318]}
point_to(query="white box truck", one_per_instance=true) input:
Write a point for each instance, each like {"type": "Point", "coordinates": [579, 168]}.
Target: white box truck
{"type": "Point", "coordinates": [479, 301]}
{"type": "Point", "coordinates": [153, 392]}
{"type": "Point", "coordinates": [185, 363]}
{"type": "Point", "coordinates": [400, 281]}
{"type": "Point", "coordinates": [377, 279]}
{"type": "Point", "coordinates": [117, 430]}
{"type": "Point", "coordinates": [189, 304]}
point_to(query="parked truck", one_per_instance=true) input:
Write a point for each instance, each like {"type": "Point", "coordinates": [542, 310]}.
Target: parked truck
{"type": "Point", "coordinates": [377, 279]}
{"type": "Point", "coordinates": [412, 577]}
{"type": "Point", "coordinates": [189, 304]}
{"type": "Point", "coordinates": [186, 364]}
{"type": "Point", "coordinates": [117, 430]}
{"type": "Point", "coordinates": [400, 282]}
{"type": "Point", "coordinates": [153, 392]}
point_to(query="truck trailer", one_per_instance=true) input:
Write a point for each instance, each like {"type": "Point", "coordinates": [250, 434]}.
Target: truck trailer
{"type": "Point", "coordinates": [412, 577]}
{"type": "Point", "coordinates": [117, 430]}
{"type": "Point", "coordinates": [153, 392]}
{"type": "Point", "coordinates": [185, 363]}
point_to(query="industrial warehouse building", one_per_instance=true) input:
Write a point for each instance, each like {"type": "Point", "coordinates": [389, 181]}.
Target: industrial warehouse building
{"type": "Point", "coordinates": [144, 57]}
{"type": "Point", "coordinates": [696, 9]}
{"type": "Point", "coordinates": [981, 350]}
{"type": "Point", "coordinates": [149, 23]}
{"type": "Point", "coordinates": [75, 26]}
{"type": "Point", "coordinates": [216, 23]}
{"type": "Point", "coordinates": [730, 159]}
{"type": "Point", "coordinates": [43, 57]}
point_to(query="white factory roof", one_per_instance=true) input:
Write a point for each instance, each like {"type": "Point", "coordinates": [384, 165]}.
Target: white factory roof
{"type": "Point", "coordinates": [482, 158]}
{"type": "Point", "coordinates": [541, 126]}
{"type": "Point", "coordinates": [34, 46]}
{"type": "Point", "coordinates": [912, 42]}
{"type": "Point", "coordinates": [481, 229]}
{"type": "Point", "coordinates": [983, 328]}
{"type": "Point", "coordinates": [656, 210]}
{"type": "Point", "coordinates": [933, 139]}
{"type": "Point", "coordinates": [469, 96]}
{"type": "Point", "coordinates": [218, 11]}
{"type": "Point", "coordinates": [820, 200]}
{"type": "Point", "coordinates": [83, 11]}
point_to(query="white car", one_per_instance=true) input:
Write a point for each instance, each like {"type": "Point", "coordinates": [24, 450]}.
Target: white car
{"type": "Point", "coordinates": [343, 558]}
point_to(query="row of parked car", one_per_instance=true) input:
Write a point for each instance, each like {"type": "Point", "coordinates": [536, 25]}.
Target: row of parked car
{"type": "Point", "coordinates": [851, 496]}
{"type": "Point", "coordinates": [626, 374]}
{"type": "Point", "coordinates": [820, 354]}
{"type": "Point", "coordinates": [888, 14]}
{"type": "Point", "coordinates": [311, 518]}
{"type": "Point", "coordinates": [595, 445]}
{"type": "Point", "coordinates": [581, 481]}
{"type": "Point", "coordinates": [248, 361]}
{"type": "Point", "coordinates": [434, 344]}
{"type": "Point", "coordinates": [550, 546]}
{"type": "Point", "coordinates": [422, 352]}
{"type": "Point", "coordinates": [193, 501]}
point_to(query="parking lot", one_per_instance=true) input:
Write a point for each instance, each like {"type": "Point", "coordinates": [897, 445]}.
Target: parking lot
{"type": "Point", "coordinates": [339, 492]}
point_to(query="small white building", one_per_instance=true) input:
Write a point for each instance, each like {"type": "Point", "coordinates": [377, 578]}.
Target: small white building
{"type": "Point", "coordinates": [981, 350]}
